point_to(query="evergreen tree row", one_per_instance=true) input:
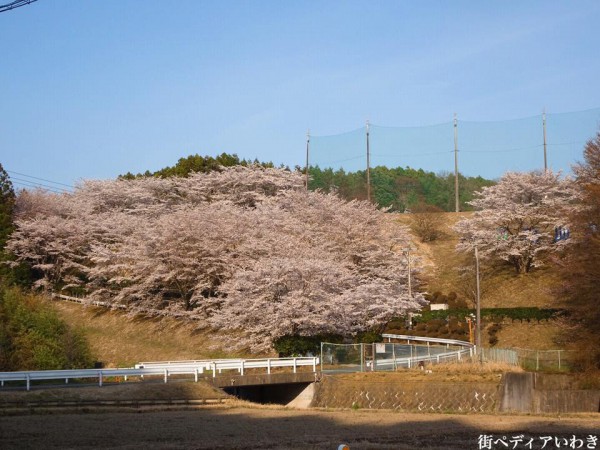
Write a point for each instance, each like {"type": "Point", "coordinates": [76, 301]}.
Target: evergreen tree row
{"type": "Point", "coordinates": [196, 163]}
{"type": "Point", "coordinates": [399, 188]}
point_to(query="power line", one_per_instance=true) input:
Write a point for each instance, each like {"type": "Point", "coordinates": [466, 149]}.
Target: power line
{"type": "Point", "coordinates": [15, 4]}
{"type": "Point", "coordinates": [41, 179]}
{"type": "Point", "coordinates": [411, 154]}
{"type": "Point", "coordinates": [28, 184]}
{"type": "Point", "coordinates": [507, 150]}
{"type": "Point", "coordinates": [45, 186]}
{"type": "Point", "coordinates": [343, 160]}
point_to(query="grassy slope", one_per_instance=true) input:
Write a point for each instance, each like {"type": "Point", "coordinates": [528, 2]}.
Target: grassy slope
{"type": "Point", "coordinates": [119, 340]}
{"type": "Point", "coordinates": [501, 289]}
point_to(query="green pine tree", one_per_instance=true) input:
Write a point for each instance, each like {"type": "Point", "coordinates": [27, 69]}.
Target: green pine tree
{"type": "Point", "coordinates": [7, 206]}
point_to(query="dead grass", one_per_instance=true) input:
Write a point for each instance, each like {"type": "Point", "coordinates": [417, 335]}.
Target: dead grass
{"type": "Point", "coordinates": [130, 391]}
{"type": "Point", "coordinates": [509, 290]}
{"type": "Point", "coordinates": [501, 287]}
{"type": "Point", "coordinates": [241, 428]}
{"type": "Point", "coordinates": [475, 367]}
{"type": "Point", "coordinates": [466, 372]}
{"type": "Point", "coordinates": [121, 341]}
{"type": "Point", "coordinates": [438, 258]}
{"type": "Point", "coordinates": [504, 288]}
{"type": "Point", "coordinates": [533, 335]}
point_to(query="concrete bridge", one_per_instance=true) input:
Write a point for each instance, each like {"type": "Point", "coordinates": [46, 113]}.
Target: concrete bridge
{"type": "Point", "coordinates": [221, 373]}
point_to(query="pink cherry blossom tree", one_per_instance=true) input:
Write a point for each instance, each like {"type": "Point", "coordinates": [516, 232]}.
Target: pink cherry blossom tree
{"type": "Point", "coordinates": [516, 219]}
{"type": "Point", "coordinates": [244, 248]}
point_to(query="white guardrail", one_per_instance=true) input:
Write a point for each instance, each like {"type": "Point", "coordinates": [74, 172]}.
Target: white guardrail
{"type": "Point", "coordinates": [454, 355]}
{"type": "Point", "coordinates": [405, 337]}
{"type": "Point", "coordinates": [162, 368]}
{"type": "Point", "coordinates": [408, 362]}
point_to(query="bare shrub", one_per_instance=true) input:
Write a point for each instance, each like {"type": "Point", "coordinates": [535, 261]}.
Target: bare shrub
{"type": "Point", "coordinates": [427, 222]}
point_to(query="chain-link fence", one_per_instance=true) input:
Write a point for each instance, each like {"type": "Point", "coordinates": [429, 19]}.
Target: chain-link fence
{"type": "Point", "coordinates": [545, 360]}
{"type": "Point", "coordinates": [485, 148]}
{"type": "Point", "coordinates": [386, 356]}
{"type": "Point", "coordinates": [390, 356]}
{"type": "Point", "coordinates": [533, 360]}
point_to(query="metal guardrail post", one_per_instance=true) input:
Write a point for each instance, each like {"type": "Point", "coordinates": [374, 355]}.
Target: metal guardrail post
{"type": "Point", "coordinates": [28, 382]}
{"type": "Point", "coordinates": [362, 357]}
{"type": "Point", "coordinates": [242, 367]}
{"type": "Point", "coordinates": [314, 364]}
{"type": "Point", "coordinates": [321, 359]}
{"type": "Point", "coordinates": [196, 375]}
{"type": "Point", "coordinates": [166, 375]}
{"type": "Point", "coordinates": [100, 378]}
{"type": "Point", "coordinates": [294, 365]}
{"type": "Point", "coordinates": [269, 366]}
{"type": "Point", "coordinates": [373, 357]}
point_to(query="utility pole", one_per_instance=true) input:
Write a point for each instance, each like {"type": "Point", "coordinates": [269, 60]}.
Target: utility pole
{"type": "Point", "coordinates": [409, 274]}
{"type": "Point", "coordinates": [457, 204]}
{"type": "Point", "coordinates": [368, 166]}
{"type": "Point", "coordinates": [478, 316]}
{"type": "Point", "coordinates": [544, 127]}
{"type": "Point", "coordinates": [307, 148]}
{"type": "Point", "coordinates": [410, 314]}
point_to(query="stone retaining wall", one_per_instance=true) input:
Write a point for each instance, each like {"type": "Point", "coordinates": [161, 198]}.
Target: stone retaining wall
{"type": "Point", "coordinates": [409, 396]}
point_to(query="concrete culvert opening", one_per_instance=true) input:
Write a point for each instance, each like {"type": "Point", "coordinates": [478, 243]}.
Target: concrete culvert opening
{"type": "Point", "coordinates": [278, 394]}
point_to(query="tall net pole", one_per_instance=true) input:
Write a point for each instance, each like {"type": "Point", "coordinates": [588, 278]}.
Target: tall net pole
{"type": "Point", "coordinates": [368, 166]}
{"type": "Point", "coordinates": [544, 127]}
{"type": "Point", "coordinates": [457, 205]}
{"type": "Point", "coordinates": [478, 312]}
{"type": "Point", "coordinates": [307, 150]}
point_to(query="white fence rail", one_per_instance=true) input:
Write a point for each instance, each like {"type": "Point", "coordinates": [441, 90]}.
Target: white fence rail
{"type": "Point", "coordinates": [218, 365]}
{"type": "Point", "coordinates": [390, 355]}
{"type": "Point", "coordinates": [394, 363]}
{"type": "Point", "coordinates": [163, 369]}
{"type": "Point", "coordinates": [85, 301]}
{"type": "Point", "coordinates": [405, 337]}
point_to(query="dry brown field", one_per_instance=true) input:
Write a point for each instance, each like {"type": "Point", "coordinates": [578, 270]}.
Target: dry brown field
{"type": "Point", "coordinates": [238, 426]}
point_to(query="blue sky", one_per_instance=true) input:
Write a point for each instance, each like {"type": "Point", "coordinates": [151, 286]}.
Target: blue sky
{"type": "Point", "coordinates": [96, 89]}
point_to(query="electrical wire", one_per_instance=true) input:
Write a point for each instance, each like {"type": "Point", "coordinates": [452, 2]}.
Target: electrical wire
{"type": "Point", "coordinates": [15, 4]}
{"type": "Point", "coordinates": [41, 179]}
{"type": "Point", "coordinates": [42, 185]}
{"type": "Point", "coordinates": [26, 184]}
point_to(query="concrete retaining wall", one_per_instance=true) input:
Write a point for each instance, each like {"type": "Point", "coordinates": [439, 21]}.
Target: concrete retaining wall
{"type": "Point", "coordinates": [566, 401]}
{"type": "Point", "coordinates": [546, 393]}
{"type": "Point", "coordinates": [260, 379]}
{"type": "Point", "coordinates": [516, 392]}
{"type": "Point", "coordinates": [408, 396]}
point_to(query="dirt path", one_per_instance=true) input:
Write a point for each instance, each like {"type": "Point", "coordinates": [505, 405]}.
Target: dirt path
{"type": "Point", "coordinates": [241, 427]}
